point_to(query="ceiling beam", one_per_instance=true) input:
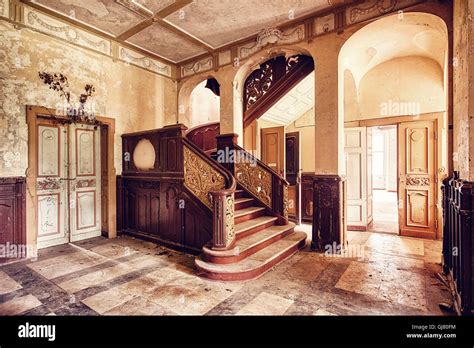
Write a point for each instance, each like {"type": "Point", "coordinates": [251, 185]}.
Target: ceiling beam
{"type": "Point", "coordinates": [159, 18]}
{"type": "Point", "coordinates": [95, 31]}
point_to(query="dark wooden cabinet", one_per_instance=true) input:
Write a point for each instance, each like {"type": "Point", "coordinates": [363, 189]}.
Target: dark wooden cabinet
{"type": "Point", "coordinates": [12, 217]}
{"type": "Point", "coordinates": [154, 204]}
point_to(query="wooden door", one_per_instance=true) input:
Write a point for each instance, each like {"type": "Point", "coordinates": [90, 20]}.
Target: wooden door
{"type": "Point", "coordinates": [356, 155]}
{"type": "Point", "coordinates": [292, 160]}
{"type": "Point", "coordinates": [417, 180]}
{"type": "Point", "coordinates": [370, 184]}
{"type": "Point", "coordinates": [52, 184]}
{"type": "Point", "coordinates": [273, 148]}
{"type": "Point", "coordinates": [85, 184]}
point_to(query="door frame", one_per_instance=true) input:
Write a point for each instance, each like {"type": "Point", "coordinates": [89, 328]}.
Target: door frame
{"type": "Point", "coordinates": [297, 217]}
{"type": "Point", "coordinates": [281, 148]}
{"type": "Point", "coordinates": [34, 115]}
{"type": "Point", "coordinates": [395, 121]}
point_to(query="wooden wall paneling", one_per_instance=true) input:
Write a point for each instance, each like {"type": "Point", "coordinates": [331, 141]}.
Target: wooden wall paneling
{"type": "Point", "coordinates": [307, 197]}
{"type": "Point", "coordinates": [197, 223]}
{"type": "Point", "coordinates": [12, 216]}
{"type": "Point", "coordinates": [329, 215]}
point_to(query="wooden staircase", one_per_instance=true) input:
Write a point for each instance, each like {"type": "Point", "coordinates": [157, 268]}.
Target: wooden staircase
{"type": "Point", "coordinates": [260, 243]}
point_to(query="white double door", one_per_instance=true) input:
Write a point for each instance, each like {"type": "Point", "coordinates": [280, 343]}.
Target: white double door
{"type": "Point", "coordinates": [68, 183]}
{"type": "Point", "coordinates": [358, 154]}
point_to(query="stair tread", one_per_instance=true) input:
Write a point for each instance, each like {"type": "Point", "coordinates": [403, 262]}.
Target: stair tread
{"type": "Point", "coordinates": [249, 210]}
{"type": "Point", "coordinates": [260, 258]}
{"type": "Point", "coordinates": [246, 225]}
{"type": "Point", "coordinates": [243, 199]}
{"type": "Point", "coordinates": [258, 237]}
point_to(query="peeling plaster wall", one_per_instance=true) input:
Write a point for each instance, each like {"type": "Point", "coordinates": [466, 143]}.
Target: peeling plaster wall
{"type": "Point", "coordinates": [135, 98]}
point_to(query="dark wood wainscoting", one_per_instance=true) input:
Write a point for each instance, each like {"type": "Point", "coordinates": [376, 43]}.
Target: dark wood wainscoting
{"type": "Point", "coordinates": [12, 218]}
{"type": "Point", "coordinates": [307, 180]}
{"type": "Point", "coordinates": [329, 213]}
{"type": "Point", "coordinates": [458, 241]}
{"type": "Point", "coordinates": [164, 212]}
{"type": "Point", "coordinates": [154, 204]}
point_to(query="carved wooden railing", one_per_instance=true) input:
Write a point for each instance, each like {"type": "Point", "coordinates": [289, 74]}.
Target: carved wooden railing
{"type": "Point", "coordinates": [275, 77]}
{"type": "Point", "coordinates": [261, 181]}
{"type": "Point", "coordinates": [204, 136]}
{"type": "Point", "coordinates": [214, 186]}
{"type": "Point", "coordinates": [458, 241]}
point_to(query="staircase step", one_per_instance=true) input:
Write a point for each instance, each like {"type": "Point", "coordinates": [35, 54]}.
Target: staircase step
{"type": "Point", "coordinates": [239, 194]}
{"type": "Point", "coordinates": [248, 214]}
{"type": "Point", "coordinates": [241, 203]}
{"type": "Point", "coordinates": [256, 264]}
{"type": "Point", "coordinates": [251, 226]}
{"type": "Point", "coordinates": [249, 245]}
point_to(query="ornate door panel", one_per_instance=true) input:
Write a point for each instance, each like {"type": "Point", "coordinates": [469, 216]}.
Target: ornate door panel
{"type": "Point", "coordinates": [51, 187]}
{"type": "Point", "coordinates": [417, 179]}
{"type": "Point", "coordinates": [273, 148]}
{"type": "Point", "coordinates": [292, 160]}
{"type": "Point", "coordinates": [84, 178]}
{"type": "Point", "coordinates": [356, 171]}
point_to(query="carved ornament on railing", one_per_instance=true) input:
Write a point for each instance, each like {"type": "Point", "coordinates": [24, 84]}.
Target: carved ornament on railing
{"type": "Point", "coordinates": [200, 177]}
{"type": "Point", "coordinates": [285, 201]}
{"type": "Point", "coordinates": [258, 83]}
{"type": "Point", "coordinates": [261, 80]}
{"type": "Point", "coordinates": [229, 218]}
{"type": "Point", "coordinates": [256, 179]}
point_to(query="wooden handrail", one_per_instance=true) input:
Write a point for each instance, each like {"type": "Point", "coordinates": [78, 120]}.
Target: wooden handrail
{"type": "Point", "coordinates": [220, 201]}
{"type": "Point", "coordinates": [231, 183]}
{"type": "Point", "coordinates": [262, 164]}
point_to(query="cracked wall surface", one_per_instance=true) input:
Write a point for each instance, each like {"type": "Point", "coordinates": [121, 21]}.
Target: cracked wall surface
{"type": "Point", "coordinates": [135, 98]}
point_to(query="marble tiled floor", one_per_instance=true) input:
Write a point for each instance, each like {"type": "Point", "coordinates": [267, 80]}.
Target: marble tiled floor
{"type": "Point", "coordinates": [380, 274]}
{"type": "Point", "coordinates": [385, 211]}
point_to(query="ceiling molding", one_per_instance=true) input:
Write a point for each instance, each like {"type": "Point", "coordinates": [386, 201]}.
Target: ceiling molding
{"type": "Point", "coordinates": [159, 18]}
{"type": "Point", "coordinates": [292, 23]}
{"type": "Point", "coordinates": [95, 31]}
{"type": "Point", "coordinates": [340, 9]}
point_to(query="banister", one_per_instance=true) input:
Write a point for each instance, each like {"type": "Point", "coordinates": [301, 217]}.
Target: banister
{"type": "Point", "coordinates": [201, 182]}
{"type": "Point", "coordinates": [229, 177]}
{"type": "Point", "coordinates": [262, 164]}
{"type": "Point", "coordinates": [262, 182]}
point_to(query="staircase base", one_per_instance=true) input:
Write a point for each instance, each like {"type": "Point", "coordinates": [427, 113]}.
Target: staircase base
{"type": "Point", "coordinates": [256, 264]}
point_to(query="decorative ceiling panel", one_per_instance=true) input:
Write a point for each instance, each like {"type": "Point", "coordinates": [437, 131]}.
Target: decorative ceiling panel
{"type": "Point", "coordinates": [219, 22]}
{"type": "Point", "coordinates": [294, 104]}
{"type": "Point", "coordinates": [106, 15]}
{"type": "Point", "coordinates": [154, 5]}
{"type": "Point", "coordinates": [165, 43]}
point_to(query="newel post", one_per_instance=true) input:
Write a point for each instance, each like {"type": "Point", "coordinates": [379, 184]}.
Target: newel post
{"type": "Point", "coordinates": [223, 236]}
{"type": "Point", "coordinates": [226, 150]}
{"type": "Point", "coordinates": [280, 197]}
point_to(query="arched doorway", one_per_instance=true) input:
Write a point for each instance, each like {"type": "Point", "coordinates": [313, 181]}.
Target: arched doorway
{"type": "Point", "coordinates": [393, 88]}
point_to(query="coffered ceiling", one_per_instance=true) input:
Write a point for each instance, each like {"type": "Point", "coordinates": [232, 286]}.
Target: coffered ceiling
{"type": "Point", "coordinates": [177, 30]}
{"type": "Point", "coordinates": [294, 104]}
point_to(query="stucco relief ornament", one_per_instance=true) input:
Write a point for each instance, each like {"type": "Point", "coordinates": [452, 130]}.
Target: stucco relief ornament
{"type": "Point", "coordinates": [268, 36]}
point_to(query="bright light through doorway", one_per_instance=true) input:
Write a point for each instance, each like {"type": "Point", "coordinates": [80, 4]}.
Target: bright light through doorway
{"type": "Point", "coordinates": [384, 179]}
